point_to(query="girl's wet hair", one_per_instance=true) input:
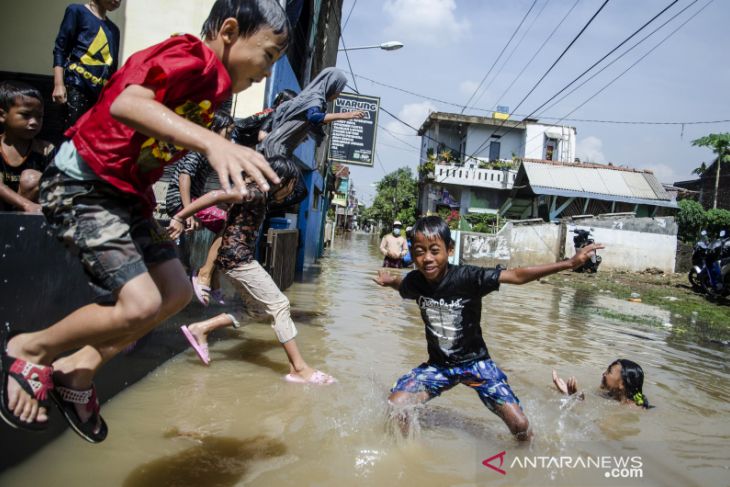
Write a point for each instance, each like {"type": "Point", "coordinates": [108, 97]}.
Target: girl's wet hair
{"type": "Point", "coordinates": [251, 15]}
{"type": "Point", "coordinates": [285, 168]}
{"type": "Point", "coordinates": [282, 96]}
{"type": "Point", "coordinates": [633, 377]}
{"type": "Point", "coordinates": [434, 227]}
{"type": "Point", "coordinates": [11, 90]}
{"type": "Point", "coordinates": [221, 120]}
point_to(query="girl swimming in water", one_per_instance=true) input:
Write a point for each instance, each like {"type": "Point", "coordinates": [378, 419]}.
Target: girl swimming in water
{"type": "Point", "coordinates": [623, 381]}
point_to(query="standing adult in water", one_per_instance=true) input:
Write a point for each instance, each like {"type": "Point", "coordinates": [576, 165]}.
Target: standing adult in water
{"type": "Point", "coordinates": [394, 247]}
{"type": "Point", "coordinates": [85, 55]}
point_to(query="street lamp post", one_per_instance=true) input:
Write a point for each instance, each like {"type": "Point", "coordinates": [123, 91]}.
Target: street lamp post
{"type": "Point", "coordinates": [386, 46]}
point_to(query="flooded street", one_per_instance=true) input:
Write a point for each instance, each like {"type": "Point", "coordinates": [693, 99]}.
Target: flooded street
{"type": "Point", "coordinates": [237, 422]}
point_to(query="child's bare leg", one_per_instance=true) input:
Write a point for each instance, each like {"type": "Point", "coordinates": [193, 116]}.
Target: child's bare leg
{"type": "Point", "coordinates": [202, 329]}
{"type": "Point", "coordinates": [29, 184]}
{"type": "Point", "coordinates": [297, 365]}
{"type": "Point", "coordinates": [140, 305]}
{"type": "Point", "coordinates": [516, 421]}
{"type": "Point", "coordinates": [205, 273]}
{"type": "Point", "coordinates": [401, 405]}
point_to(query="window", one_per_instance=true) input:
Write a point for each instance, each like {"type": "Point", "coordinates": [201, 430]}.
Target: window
{"type": "Point", "coordinates": [494, 147]}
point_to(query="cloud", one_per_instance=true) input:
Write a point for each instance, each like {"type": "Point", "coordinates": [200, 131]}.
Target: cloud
{"type": "Point", "coordinates": [413, 114]}
{"type": "Point", "coordinates": [590, 149]}
{"type": "Point", "coordinates": [467, 87]}
{"type": "Point", "coordinates": [427, 22]}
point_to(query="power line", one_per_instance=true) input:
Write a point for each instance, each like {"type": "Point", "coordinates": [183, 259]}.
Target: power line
{"type": "Point", "coordinates": [349, 14]}
{"type": "Point", "coordinates": [498, 57]}
{"type": "Point", "coordinates": [624, 72]}
{"type": "Point", "coordinates": [587, 120]}
{"type": "Point", "coordinates": [512, 52]}
{"type": "Point", "coordinates": [618, 57]}
{"type": "Point", "coordinates": [590, 68]}
{"type": "Point", "coordinates": [536, 52]}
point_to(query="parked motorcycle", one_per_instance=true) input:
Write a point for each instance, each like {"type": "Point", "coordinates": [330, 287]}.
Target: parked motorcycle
{"type": "Point", "coordinates": [711, 266]}
{"type": "Point", "coordinates": [581, 239]}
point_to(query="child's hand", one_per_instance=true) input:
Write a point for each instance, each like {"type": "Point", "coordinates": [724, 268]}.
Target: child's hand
{"type": "Point", "coordinates": [385, 278]}
{"type": "Point", "coordinates": [584, 254]}
{"type": "Point", "coordinates": [230, 161]}
{"type": "Point", "coordinates": [59, 94]}
{"type": "Point", "coordinates": [568, 388]}
{"type": "Point", "coordinates": [192, 224]}
{"type": "Point", "coordinates": [357, 114]}
{"type": "Point", "coordinates": [176, 228]}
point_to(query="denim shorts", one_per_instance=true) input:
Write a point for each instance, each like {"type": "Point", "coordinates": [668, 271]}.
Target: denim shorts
{"type": "Point", "coordinates": [483, 376]}
{"type": "Point", "coordinates": [106, 228]}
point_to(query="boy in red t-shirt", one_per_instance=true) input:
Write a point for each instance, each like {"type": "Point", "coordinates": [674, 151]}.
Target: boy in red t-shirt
{"type": "Point", "coordinates": [97, 198]}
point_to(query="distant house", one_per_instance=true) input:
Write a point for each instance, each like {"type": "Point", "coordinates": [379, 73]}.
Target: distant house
{"type": "Point", "coordinates": [468, 162]}
{"type": "Point", "coordinates": [704, 186]}
{"type": "Point", "coordinates": [551, 190]}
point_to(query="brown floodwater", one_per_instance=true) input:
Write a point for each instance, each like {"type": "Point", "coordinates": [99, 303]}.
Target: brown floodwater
{"type": "Point", "coordinates": [237, 422]}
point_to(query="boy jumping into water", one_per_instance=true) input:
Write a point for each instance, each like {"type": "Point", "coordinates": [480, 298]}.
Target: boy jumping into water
{"type": "Point", "coordinates": [450, 298]}
{"type": "Point", "coordinates": [97, 197]}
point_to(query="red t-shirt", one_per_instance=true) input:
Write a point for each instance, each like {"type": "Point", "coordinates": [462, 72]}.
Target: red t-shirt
{"type": "Point", "coordinates": [186, 77]}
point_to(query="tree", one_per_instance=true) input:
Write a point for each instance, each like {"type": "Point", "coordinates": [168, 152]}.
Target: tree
{"type": "Point", "coordinates": [691, 219]}
{"type": "Point", "coordinates": [717, 219]}
{"type": "Point", "coordinates": [720, 145]}
{"type": "Point", "coordinates": [397, 194]}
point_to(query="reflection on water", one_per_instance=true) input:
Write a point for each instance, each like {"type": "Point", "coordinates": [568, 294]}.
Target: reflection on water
{"type": "Point", "coordinates": [237, 422]}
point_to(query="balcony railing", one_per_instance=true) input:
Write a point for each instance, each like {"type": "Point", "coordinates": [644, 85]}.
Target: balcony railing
{"type": "Point", "coordinates": [483, 178]}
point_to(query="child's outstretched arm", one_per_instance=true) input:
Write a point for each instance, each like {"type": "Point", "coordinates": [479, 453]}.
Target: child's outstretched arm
{"type": "Point", "coordinates": [136, 107]}
{"type": "Point", "coordinates": [568, 387]}
{"type": "Point", "coordinates": [385, 278]}
{"type": "Point", "coordinates": [523, 275]}
{"type": "Point", "coordinates": [177, 222]}
{"type": "Point", "coordinates": [333, 117]}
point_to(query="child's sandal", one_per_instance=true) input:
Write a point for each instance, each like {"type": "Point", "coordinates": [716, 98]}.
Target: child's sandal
{"type": "Point", "coordinates": [36, 380]}
{"type": "Point", "coordinates": [66, 400]}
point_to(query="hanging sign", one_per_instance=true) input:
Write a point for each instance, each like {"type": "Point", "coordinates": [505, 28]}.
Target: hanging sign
{"type": "Point", "coordinates": [353, 141]}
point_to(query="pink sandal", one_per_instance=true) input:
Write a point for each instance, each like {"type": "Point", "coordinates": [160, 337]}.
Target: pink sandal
{"type": "Point", "coordinates": [317, 378]}
{"type": "Point", "coordinates": [201, 350]}
{"type": "Point", "coordinates": [202, 292]}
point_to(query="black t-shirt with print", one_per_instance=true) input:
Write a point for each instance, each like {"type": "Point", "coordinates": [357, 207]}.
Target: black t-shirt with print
{"type": "Point", "coordinates": [451, 310]}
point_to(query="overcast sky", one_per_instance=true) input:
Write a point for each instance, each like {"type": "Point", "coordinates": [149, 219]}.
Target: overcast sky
{"type": "Point", "coordinates": [451, 44]}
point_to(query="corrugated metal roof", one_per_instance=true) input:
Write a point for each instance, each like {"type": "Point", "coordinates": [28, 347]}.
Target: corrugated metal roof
{"type": "Point", "coordinates": [613, 183]}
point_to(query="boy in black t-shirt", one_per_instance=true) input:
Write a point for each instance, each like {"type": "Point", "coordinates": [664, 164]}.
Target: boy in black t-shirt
{"type": "Point", "coordinates": [23, 157]}
{"type": "Point", "coordinates": [450, 298]}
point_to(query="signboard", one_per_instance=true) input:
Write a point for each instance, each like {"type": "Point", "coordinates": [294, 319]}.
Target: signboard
{"type": "Point", "coordinates": [353, 141]}
{"type": "Point", "coordinates": [344, 187]}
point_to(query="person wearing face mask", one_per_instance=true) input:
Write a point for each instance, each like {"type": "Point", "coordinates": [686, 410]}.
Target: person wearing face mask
{"type": "Point", "coordinates": [394, 247]}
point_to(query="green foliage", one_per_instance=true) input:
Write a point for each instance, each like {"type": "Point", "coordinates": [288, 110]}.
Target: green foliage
{"type": "Point", "coordinates": [481, 222]}
{"type": "Point", "coordinates": [719, 143]}
{"type": "Point", "coordinates": [691, 220]}
{"type": "Point", "coordinates": [717, 219]}
{"type": "Point", "coordinates": [497, 165]}
{"type": "Point", "coordinates": [427, 167]}
{"type": "Point", "coordinates": [396, 198]}
{"type": "Point", "coordinates": [451, 217]}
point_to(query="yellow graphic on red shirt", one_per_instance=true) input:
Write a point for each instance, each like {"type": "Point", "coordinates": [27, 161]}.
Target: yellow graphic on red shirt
{"type": "Point", "coordinates": [155, 153]}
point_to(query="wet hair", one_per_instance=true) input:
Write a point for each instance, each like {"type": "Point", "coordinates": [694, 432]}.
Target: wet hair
{"type": "Point", "coordinates": [282, 96]}
{"type": "Point", "coordinates": [632, 376]}
{"type": "Point", "coordinates": [221, 120]}
{"type": "Point", "coordinates": [11, 90]}
{"type": "Point", "coordinates": [434, 227]}
{"type": "Point", "coordinates": [285, 168]}
{"type": "Point", "coordinates": [252, 15]}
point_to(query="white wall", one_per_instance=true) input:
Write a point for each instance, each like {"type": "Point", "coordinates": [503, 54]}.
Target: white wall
{"type": "Point", "coordinates": [628, 250]}
{"type": "Point", "coordinates": [514, 245]}
{"type": "Point", "coordinates": [535, 142]}
{"type": "Point", "coordinates": [510, 142]}
{"type": "Point", "coordinates": [28, 33]}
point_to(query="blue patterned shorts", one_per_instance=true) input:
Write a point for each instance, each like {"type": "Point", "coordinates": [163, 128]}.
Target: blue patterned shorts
{"type": "Point", "coordinates": [482, 375]}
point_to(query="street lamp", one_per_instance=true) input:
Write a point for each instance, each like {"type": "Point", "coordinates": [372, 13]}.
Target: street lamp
{"type": "Point", "coordinates": [386, 46]}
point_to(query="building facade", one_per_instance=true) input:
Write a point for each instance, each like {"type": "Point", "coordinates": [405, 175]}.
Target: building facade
{"type": "Point", "coordinates": [470, 162]}
{"type": "Point", "coordinates": [703, 188]}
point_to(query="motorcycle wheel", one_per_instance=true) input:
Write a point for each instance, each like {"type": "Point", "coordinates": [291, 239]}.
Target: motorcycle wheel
{"type": "Point", "coordinates": [695, 282]}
